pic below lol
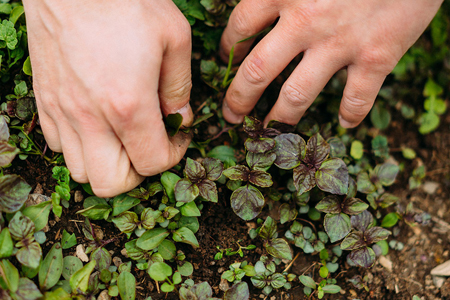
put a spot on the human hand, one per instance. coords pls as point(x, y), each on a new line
point(367, 37)
point(104, 74)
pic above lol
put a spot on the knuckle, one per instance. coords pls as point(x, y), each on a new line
point(295, 95)
point(378, 60)
point(253, 70)
point(239, 18)
point(179, 89)
point(356, 106)
point(123, 108)
point(182, 36)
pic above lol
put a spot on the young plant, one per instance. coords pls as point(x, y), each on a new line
point(62, 190)
point(230, 251)
point(324, 287)
point(277, 247)
point(363, 235)
point(238, 270)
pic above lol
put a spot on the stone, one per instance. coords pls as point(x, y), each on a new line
point(438, 281)
point(104, 295)
point(224, 285)
point(385, 262)
point(430, 187)
point(78, 196)
point(34, 199)
point(117, 261)
point(442, 269)
point(81, 253)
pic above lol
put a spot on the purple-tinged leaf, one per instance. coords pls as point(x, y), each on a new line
point(202, 289)
point(337, 226)
point(354, 206)
point(7, 153)
point(279, 248)
point(317, 150)
point(386, 173)
point(260, 161)
point(287, 214)
point(186, 191)
point(296, 227)
point(13, 193)
point(268, 229)
point(280, 127)
point(30, 255)
point(364, 184)
point(290, 149)
point(126, 221)
point(27, 290)
point(149, 218)
point(354, 240)
point(387, 200)
point(376, 234)
point(4, 130)
point(213, 167)
point(332, 176)
point(239, 291)
point(260, 178)
point(194, 170)
point(362, 221)
point(102, 258)
point(21, 227)
point(259, 145)
point(330, 204)
point(364, 257)
point(208, 190)
point(238, 172)
point(308, 126)
point(304, 179)
point(247, 202)
point(337, 147)
point(352, 189)
point(252, 126)
point(185, 235)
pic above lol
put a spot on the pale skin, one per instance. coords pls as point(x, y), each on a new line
point(106, 72)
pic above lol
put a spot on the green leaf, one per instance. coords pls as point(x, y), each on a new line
point(7, 153)
point(149, 217)
point(307, 281)
point(331, 289)
point(159, 271)
point(332, 176)
point(429, 121)
point(68, 240)
point(186, 269)
point(389, 220)
point(167, 250)
point(190, 210)
point(260, 178)
point(51, 267)
point(8, 34)
point(432, 88)
point(380, 116)
point(223, 153)
point(152, 238)
point(323, 272)
point(290, 149)
point(354, 206)
point(279, 248)
point(6, 243)
point(386, 173)
point(186, 191)
point(96, 212)
point(102, 258)
point(27, 290)
point(194, 170)
point(38, 214)
point(173, 123)
point(21, 227)
point(169, 180)
point(408, 153)
point(80, 279)
point(330, 204)
point(16, 13)
point(239, 291)
point(354, 240)
point(364, 184)
point(127, 286)
point(337, 226)
point(337, 147)
point(357, 149)
point(9, 276)
point(13, 193)
point(71, 264)
point(304, 179)
point(189, 222)
point(126, 222)
point(27, 67)
point(239, 172)
point(380, 146)
point(247, 202)
point(5, 8)
point(30, 255)
point(268, 229)
point(287, 214)
point(376, 234)
point(185, 235)
point(122, 203)
point(364, 257)
point(167, 288)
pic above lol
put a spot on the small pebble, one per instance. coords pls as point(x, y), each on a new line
point(385, 262)
point(78, 196)
point(442, 269)
point(117, 261)
point(430, 187)
point(438, 281)
point(34, 199)
point(81, 253)
point(104, 295)
point(224, 285)
point(124, 252)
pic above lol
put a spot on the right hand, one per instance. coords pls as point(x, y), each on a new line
point(104, 74)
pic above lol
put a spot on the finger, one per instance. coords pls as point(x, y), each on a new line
point(50, 131)
point(303, 86)
point(360, 91)
point(73, 151)
point(248, 18)
point(107, 163)
point(258, 70)
point(175, 74)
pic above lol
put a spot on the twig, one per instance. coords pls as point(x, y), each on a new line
point(76, 225)
point(315, 230)
point(437, 171)
point(157, 287)
point(410, 280)
point(291, 263)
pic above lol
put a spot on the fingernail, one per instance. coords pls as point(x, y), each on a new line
point(344, 123)
point(230, 116)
